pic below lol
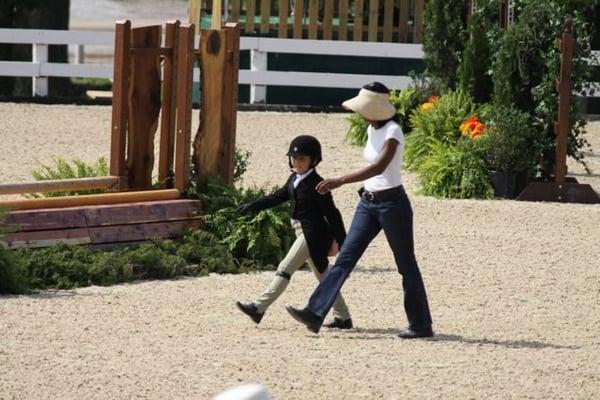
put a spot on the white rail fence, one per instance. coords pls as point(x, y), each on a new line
point(259, 77)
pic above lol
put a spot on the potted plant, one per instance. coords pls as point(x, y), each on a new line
point(510, 148)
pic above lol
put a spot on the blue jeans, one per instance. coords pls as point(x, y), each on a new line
point(395, 217)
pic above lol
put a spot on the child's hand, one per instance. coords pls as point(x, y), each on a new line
point(334, 249)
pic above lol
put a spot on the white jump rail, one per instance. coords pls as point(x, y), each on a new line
point(259, 77)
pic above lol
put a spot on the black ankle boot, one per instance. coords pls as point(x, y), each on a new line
point(312, 321)
point(339, 323)
point(250, 310)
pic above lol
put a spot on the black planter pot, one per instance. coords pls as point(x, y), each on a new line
point(508, 184)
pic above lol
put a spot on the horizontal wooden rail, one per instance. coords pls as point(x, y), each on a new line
point(90, 200)
point(60, 185)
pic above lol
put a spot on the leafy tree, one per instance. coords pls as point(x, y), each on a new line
point(444, 38)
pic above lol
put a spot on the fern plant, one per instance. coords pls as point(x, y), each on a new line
point(438, 124)
point(62, 169)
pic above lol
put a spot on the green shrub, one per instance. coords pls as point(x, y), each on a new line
point(455, 171)
point(443, 38)
point(512, 142)
point(475, 68)
point(439, 124)
point(63, 169)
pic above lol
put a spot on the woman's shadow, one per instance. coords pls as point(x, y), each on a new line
point(391, 333)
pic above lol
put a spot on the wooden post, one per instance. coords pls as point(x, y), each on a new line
point(185, 65)
point(144, 105)
point(373, 26)
point(328, 19)
point(216, 14)
point(563, 189)
point(282, 26)
point(215, 140)
point(388, 20)
point(313, 18)
point(230, 100)
point(419, 8)
point(195, 13)
point(119, 100)
point(168, 117)
point(265, 16)
point(298, 19)
point(358, 20)
point(403, 21)
point(561, 127)
point(250, 14)
point(343, 15)
point(503, 13)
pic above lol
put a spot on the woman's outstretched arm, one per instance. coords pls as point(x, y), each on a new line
point(380, 164)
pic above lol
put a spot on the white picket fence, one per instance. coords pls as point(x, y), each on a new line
point(259, 77)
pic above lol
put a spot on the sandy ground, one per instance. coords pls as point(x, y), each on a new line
point(514, 290)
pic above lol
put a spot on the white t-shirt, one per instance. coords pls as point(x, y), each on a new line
point(392, 175)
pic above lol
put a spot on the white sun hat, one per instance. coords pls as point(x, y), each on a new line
point(372, 102)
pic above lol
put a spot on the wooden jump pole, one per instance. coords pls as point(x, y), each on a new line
point(90, 200)
point(60, 185)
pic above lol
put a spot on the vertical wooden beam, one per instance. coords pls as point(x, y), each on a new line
point(564, 101)
point(234, 15)
point(144, 106)
point(373, 20)
point(195, 13)
point(328, 19)
point(230, 100)
point(265, 16)
point(168, 117)
point(313, 18)
point(388, 20)
point(403, 21)
point(250, 13)
point(419, 7)
point(358, 20)
point(120, 99)
point(343, 15)
point(282, 27)
point(217, 14)
point(298, 19)
point(207, 143)
point(185, 64)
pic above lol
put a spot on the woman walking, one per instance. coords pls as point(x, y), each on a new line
point(383, 205)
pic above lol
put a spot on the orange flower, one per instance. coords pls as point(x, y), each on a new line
point(426, 106)
point(472, 127)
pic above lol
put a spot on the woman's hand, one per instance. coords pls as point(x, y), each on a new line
point(334, 249)
point(327, 185)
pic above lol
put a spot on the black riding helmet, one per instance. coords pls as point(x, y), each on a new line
point(305, 145)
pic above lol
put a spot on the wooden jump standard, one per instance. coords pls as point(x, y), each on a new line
point(143, 90)
point(562, 189)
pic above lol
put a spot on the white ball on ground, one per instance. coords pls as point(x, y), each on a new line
point(250, 391)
